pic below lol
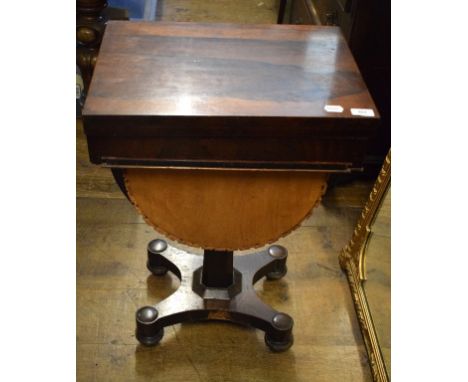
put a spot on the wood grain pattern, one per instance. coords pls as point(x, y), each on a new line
point(205, 87)
point(224, 210)
point(192, 69)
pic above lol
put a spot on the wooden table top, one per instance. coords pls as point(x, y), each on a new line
point(190, 69)
point(225, 80)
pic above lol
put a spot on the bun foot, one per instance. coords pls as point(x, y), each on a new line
point(278, 274)
point(146, 333)
point(280, 254)
point(280, 337)
point(279, 346)
point(155, 249)
point(150, 341)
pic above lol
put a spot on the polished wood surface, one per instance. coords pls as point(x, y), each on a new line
point(245, 92)
point(190, 69)
point(97, 182)
point(224, 210)
point(366, 27)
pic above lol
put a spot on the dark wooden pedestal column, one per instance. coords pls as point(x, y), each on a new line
point(218, 269)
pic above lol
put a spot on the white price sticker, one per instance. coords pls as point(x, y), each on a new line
point(363, 112)
point(334, 108)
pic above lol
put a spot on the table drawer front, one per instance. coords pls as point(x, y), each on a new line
point(330, 155)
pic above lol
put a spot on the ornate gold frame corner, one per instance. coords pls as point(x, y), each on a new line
point(352, 262)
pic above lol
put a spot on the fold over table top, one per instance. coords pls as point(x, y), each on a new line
point(227, 85)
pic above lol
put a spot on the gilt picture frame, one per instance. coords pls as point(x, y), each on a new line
point(353, 262)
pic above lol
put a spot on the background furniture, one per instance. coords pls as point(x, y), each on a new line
point(90, 24)
point(366, 27)
point(91, 19)
point(281, 11)
point(370, 285)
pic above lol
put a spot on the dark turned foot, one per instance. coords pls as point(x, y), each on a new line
point(216, 286)
point(281, 338)
point(154, 263)
point(279, 253)
point(146, 332)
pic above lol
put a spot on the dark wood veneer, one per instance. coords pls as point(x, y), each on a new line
point(224, 92)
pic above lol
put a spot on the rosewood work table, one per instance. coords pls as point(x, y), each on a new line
point(223, 136)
